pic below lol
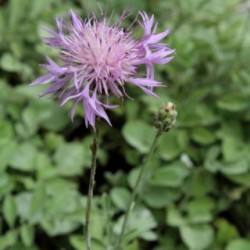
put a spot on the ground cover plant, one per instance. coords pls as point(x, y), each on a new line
point(196, 189)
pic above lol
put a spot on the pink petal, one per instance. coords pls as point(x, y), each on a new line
point(44, 79)
point(76, 21)
point(145, 82)
point(158, 37)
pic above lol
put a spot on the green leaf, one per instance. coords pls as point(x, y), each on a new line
point(159, 196)
point(59, 226)
point(231, 129)
point(9, 63)
point(2, 24)
point(233, 149)
point(149, 236)
point(8, 239)
point(9, 210)
point(233, 103)
point(19, 246)
point(203, 136)
point(27, 235)
point(70, 159)
point(58, 119)
point(133, 175)
point(197, 237)
point(6, 184)
point(7, 149)
point(170, 146)
point(170, 176)
point(120, 197)
point(225, 231)
point(240, 166)
point(174, 217)
point(58, 185)
point(242, 179)
point(53, 141)
point(6, 130)
point(78, 242)
point(132, 156)
point(204, 203)
point(211, 163)
point(132, 110)
point(140, 222)
point(31, 119)
point(38, 6)
point(51, 116)
point(16, 13)
point(31, 93)
point(45, 168)
point(200, 183)
point(139, 135)
point(59, 219)
point(200, 210)
point(23, 201)
point(138, 5)
point(54, 206)
point(239, 244)
point(197, 115)
point(38, 200)
point(24, 158)
point(3, 243)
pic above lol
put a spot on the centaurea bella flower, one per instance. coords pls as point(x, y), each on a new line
point(99, 59)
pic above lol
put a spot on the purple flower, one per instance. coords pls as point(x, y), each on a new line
point(98, 59)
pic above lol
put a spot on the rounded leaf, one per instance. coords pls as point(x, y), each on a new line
point(197, 237)
point(139, 135)
point(239, 244)
point(120, 197)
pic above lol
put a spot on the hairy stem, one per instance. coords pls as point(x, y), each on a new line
point(94, 149)
point(136, 188)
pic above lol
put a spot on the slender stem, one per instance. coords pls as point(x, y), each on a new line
point(136, 187)
point(94, 149)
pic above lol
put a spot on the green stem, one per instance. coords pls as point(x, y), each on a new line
point(94, 149)
point(136, 187)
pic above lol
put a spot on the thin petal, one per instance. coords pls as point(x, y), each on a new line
point(145, 82)
point(158, 37)
point(147, 23)
point(97, 107)
point(69, 97)
point(76, 21)
point(44, 79)
point(57, 85)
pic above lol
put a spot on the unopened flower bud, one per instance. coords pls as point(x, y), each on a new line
point(165, 117)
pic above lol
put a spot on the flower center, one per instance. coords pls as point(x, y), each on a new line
point(106, 53)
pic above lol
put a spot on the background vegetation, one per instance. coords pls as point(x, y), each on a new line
point(196, 194)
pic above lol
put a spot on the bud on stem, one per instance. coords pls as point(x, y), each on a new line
point(165, 117)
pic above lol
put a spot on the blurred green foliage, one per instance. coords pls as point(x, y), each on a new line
point(196, 193)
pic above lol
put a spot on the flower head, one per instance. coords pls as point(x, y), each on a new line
point(98, 59)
